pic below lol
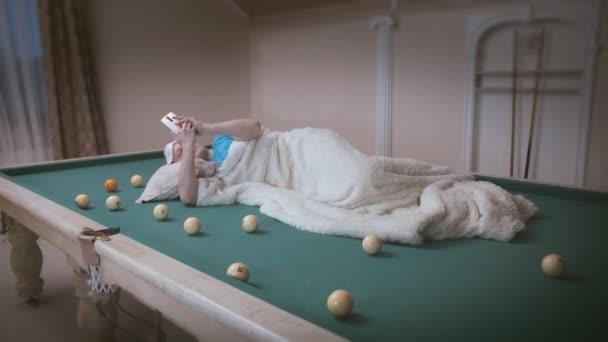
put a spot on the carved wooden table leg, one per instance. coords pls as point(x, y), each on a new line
point(25, 260)
point(96, 315)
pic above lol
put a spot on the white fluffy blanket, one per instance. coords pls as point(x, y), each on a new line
point(315, 180)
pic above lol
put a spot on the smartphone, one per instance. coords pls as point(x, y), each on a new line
point(169, 120)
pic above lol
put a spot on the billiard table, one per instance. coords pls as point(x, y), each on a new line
point(457, 290)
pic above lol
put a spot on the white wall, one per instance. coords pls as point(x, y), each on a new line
point(197, 57)
point(320, 71)
point(318, 76)
point(429, 93)
point(155, 56)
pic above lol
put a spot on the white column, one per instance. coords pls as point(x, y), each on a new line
point(384, 83)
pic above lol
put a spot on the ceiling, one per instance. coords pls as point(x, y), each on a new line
point(254, 8)
point(260, 8)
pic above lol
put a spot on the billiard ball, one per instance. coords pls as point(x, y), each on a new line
point(251, 223)
point(82, 201)
point(340, 303)
point(553, 265)
point(111, 185)
point(137, 181)
point(239, 271)
point(161, 212)
point(192, 225)
point(372, 244)
point(113, 202)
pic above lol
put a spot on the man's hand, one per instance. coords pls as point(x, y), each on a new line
point(199, 126)
point(186, 135)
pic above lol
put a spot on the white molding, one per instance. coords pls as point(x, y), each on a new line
point(384, 83)
point(478, 26)
point(591, 53)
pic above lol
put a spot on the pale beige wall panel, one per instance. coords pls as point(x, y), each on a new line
point(318, 76)
point(152, 57)
point(429, 92)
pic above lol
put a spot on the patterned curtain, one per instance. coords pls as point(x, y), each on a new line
point(77, 125)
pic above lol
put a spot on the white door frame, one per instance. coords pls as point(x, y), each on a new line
point(479, 26)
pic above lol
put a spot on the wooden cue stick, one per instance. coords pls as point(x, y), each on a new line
point(513, 100)
point(539, 59)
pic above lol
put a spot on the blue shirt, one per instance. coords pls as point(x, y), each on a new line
point(221, 145)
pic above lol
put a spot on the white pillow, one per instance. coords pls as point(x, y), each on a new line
point(163, 183)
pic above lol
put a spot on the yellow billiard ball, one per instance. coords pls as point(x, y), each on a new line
point(111, 185)
point(113, 202)
point(239, 271)
point(192, 225)
point(82, 201)
point(251, 223)
point(372, 244)
point(161, 212)
point(340, 303)
point(553, 265)
point(137, 181)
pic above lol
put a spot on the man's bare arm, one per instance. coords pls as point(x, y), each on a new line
point(187, 182)
point(240, 129)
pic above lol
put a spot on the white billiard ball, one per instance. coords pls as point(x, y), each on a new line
point(192, 225)
point(239, 271)
point(251, 223)
point(113, 202)
point(553, 265)
point(340, 303)
point(372, 244)
point(82, 201)
point(137, 181)
point(161, 212)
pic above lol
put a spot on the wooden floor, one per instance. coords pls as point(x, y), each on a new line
point(54, 318)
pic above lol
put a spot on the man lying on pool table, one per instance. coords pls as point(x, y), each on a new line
point(315, 180)
point(185, 149)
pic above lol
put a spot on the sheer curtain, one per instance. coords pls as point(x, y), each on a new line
point(24, 125)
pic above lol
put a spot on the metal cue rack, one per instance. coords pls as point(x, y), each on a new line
point(545, 74)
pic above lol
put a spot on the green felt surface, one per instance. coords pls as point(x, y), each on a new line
point(459, 290)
